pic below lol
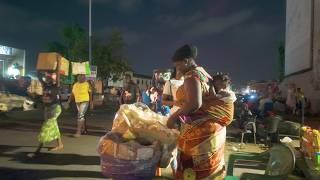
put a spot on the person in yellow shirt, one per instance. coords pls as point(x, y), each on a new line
point(81, 93)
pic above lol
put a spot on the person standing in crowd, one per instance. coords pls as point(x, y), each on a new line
point(82, 94)
point(160, 108)
point(265, 105)
point(300, 99)
point(201, 129)
point(146, 97)
point(291, 99)
point(52, 110)
point(119, 95)
point(170, 89)
point(131, 92)
point(169, 99)
point(154, 98)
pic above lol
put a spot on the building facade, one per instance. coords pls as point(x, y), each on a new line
point(263, 86)
point(12, 61)
point(302, 49)
point(142, 81)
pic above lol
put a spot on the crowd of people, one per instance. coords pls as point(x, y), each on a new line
point(266, 108)
point(150, 96)
point(262, 103)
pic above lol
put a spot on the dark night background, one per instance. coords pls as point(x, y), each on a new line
point(239, 37)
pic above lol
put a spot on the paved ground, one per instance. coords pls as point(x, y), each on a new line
point(78, 160)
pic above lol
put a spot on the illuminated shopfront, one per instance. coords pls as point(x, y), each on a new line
point(12, 61)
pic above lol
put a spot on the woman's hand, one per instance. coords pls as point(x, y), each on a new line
point(171, 122)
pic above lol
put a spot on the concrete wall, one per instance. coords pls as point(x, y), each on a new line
point(298, 36)
point(302, 64)
point(316, 45)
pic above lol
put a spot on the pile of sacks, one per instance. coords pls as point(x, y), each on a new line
point(138, 136)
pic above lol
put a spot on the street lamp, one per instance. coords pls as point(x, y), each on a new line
point(90, 33)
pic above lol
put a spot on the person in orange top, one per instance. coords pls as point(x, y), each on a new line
point(82, 94)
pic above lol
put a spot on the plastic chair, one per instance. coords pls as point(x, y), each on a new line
point(250, 125)
point(278, 162)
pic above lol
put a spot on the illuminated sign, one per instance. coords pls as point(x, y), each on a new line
point(5, 50)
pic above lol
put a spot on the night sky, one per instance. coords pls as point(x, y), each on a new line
point(240, 37)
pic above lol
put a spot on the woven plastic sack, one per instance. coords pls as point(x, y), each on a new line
point(81, 68)
point(127, 160)
point(113, 144)
point(138, 121)
point(129, 170)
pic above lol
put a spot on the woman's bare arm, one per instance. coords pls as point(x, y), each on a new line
point(193, 102)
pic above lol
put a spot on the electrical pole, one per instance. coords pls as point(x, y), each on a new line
point(90, 32)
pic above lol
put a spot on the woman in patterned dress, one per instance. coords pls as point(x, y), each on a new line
point(203, 132)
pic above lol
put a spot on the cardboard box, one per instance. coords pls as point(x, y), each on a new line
point(48, 61)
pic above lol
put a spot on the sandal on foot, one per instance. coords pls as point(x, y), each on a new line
point(76, 135)
point(56, 148)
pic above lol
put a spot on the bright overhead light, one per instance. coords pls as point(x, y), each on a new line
point(5, 50)
point(13, 71)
